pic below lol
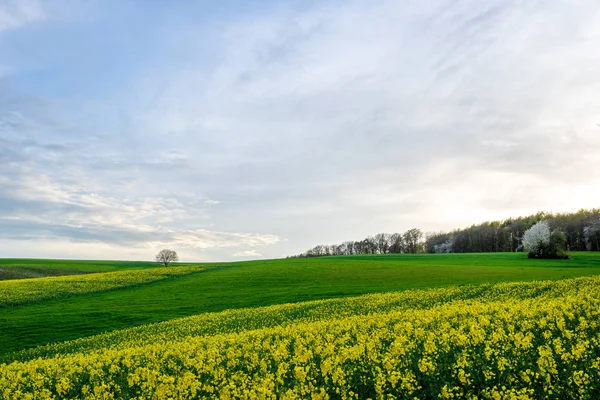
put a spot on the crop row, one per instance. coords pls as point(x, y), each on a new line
point(238, 320)
point(21, 291)
point(529, 340)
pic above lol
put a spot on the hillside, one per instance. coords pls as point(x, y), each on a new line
point(511, 340)
point(24, 268)
point(259, 283)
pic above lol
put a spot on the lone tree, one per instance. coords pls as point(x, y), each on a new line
point(539, 242)
point(166, 257)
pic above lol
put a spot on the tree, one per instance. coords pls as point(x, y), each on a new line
point(166, 257)
point(558, 245)
point(536, 239)
point(396, 243)
point(539, 242)
point(383, 243)
point(592, 235)
point(445, 247)
point(438, 242)
point(412, 240)
point(580, 231)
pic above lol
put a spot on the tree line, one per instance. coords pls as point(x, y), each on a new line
point(383, 243)
point(581, 230)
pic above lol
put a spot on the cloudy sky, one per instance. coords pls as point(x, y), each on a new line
point(249, 129)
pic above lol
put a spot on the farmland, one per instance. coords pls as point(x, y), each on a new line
point(22, 268)
point(258, 283)
point(16, 292)
point(529, 340)
point(342, 327)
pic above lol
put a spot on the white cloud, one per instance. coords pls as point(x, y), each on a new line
point(18, 13)
point(373, 99)
point(247, 253)
point(331, 123)
point(37, 207)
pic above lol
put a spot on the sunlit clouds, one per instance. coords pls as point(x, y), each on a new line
point(259, 130)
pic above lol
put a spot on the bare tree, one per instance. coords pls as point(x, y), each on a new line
point(412, 240)
point(166, 257)
point(383, 243)
point(591, 233)
point(396, 243)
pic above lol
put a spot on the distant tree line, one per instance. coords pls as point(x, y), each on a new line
point(409, 242)
point(581, 230)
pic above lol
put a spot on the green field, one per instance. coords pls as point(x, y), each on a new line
point(259, 283)
point(17, 292)
point(22, 268)
point(521, 340)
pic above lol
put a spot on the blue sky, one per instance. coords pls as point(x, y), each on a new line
point(227, 130)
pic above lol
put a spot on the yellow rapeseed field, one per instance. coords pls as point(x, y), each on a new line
point(505, 341)
point(20, 291)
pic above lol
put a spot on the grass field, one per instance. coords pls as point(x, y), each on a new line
point(259, 283)
point(25, 291)
point(22, 268)
point(245, 319)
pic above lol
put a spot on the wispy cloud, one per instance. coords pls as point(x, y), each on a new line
point(313, 123)
point(37, 207)
point(248, 253)
point(17, 13)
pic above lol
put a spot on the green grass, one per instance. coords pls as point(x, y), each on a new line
point(23, 291)
point(246, 319)
point(261, 283)
point(534, 338)
point(24, 272)
point(22, 268)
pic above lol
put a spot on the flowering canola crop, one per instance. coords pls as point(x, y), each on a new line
point(21, 291)
point(505, 341)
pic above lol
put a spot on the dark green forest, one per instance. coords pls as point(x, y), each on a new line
point(581, 229)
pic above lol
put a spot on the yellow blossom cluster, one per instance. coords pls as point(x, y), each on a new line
point(21, 291)
point(506, 341)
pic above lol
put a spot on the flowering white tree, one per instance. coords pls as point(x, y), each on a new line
point(445, 247)
point(539, 242)
point(537, 238)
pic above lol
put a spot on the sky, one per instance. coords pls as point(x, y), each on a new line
point(257, 129)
